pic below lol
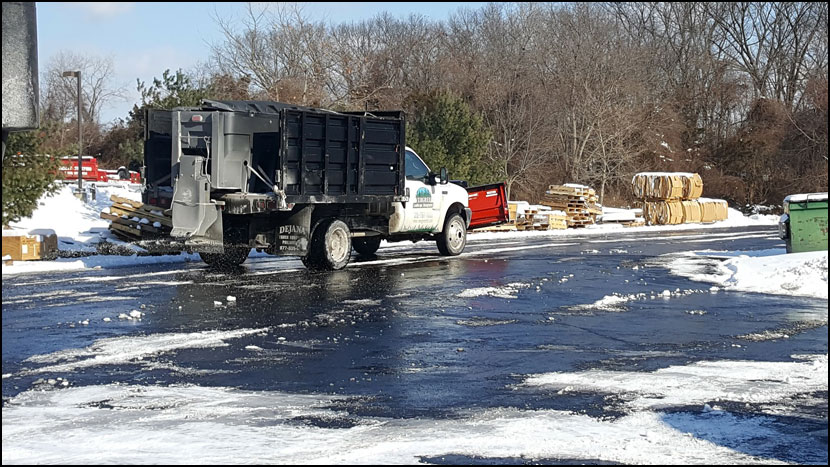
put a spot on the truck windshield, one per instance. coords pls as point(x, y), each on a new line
point(415, 167)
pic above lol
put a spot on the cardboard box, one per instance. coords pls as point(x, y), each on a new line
point(21, 247)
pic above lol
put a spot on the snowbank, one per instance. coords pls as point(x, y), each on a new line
point(78, 225)
point(764, 271)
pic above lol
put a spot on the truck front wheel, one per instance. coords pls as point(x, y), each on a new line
point(331, 246)
point(453, 239)
point(366, 246)
point(231, 258)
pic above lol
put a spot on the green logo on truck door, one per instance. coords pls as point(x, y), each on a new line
point(423, 198)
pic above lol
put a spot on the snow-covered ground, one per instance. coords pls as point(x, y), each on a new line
point(766, 271)
point(78, 224)
point(80, 228)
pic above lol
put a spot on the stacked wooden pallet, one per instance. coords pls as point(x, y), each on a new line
point(132, 220)
point(674, 198)
point(578, 202)
point(541, 218)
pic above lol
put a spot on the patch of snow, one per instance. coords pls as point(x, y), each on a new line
point(94, 262)
point(509, 291)
point(764, 271)
point(606, 303)
point(124, 350)
point(803, 197)
point(697, 383)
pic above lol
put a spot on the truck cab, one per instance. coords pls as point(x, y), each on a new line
point(435, 210)
point(431, 198)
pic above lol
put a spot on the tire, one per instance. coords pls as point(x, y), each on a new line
point(231, 258)
point(330, 247)
point(452, 240)
point(366, 246)
point(123, 174)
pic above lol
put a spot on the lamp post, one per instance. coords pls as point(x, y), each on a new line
point(77, 74)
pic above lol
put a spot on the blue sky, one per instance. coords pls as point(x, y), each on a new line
point(144, 39)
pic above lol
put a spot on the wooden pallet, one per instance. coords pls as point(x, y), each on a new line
point(126, 215)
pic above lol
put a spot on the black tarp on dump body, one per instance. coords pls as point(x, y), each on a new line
point(311, 155)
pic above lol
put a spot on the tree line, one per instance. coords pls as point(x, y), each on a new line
point(534, 93)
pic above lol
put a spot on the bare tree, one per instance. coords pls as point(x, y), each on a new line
point(97, 86)
point(284, 54)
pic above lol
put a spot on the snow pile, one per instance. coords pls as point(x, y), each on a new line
point(764, 271)
point(78, 225)
point(737, 219)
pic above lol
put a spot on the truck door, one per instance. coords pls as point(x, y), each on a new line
point(423, 210)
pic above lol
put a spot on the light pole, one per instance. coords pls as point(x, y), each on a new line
point(77, 74)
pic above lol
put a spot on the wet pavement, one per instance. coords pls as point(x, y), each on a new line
point(410, 333)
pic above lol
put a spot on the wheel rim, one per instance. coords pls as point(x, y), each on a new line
point(456, 234)
point(339, 244)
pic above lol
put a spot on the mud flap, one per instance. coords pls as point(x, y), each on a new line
point(293, 236)
point(196, 218)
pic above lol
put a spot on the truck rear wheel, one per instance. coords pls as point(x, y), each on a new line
point(452, 240)
point(231, 258)
point(366, 246)
point(331, 246)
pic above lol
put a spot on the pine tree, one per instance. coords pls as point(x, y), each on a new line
point(445, 132)
point(26, 176)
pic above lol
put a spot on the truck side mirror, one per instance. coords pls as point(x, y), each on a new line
point(444, 177)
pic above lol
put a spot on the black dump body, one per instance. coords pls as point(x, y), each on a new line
point(310, 155)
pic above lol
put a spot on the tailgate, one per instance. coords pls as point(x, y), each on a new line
point(489, 205)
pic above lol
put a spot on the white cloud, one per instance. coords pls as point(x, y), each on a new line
point(104, 10)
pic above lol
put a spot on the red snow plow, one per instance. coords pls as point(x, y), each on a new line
point(489, 205)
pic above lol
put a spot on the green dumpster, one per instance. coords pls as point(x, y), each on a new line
point(804, 223)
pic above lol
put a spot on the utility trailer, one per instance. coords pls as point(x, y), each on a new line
point(292, 180)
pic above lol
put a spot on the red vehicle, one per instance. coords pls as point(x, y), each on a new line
point(489, 205)
point(92, 173)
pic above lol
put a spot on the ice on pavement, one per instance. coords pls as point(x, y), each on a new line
point(123, 350)
point(771, 271)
